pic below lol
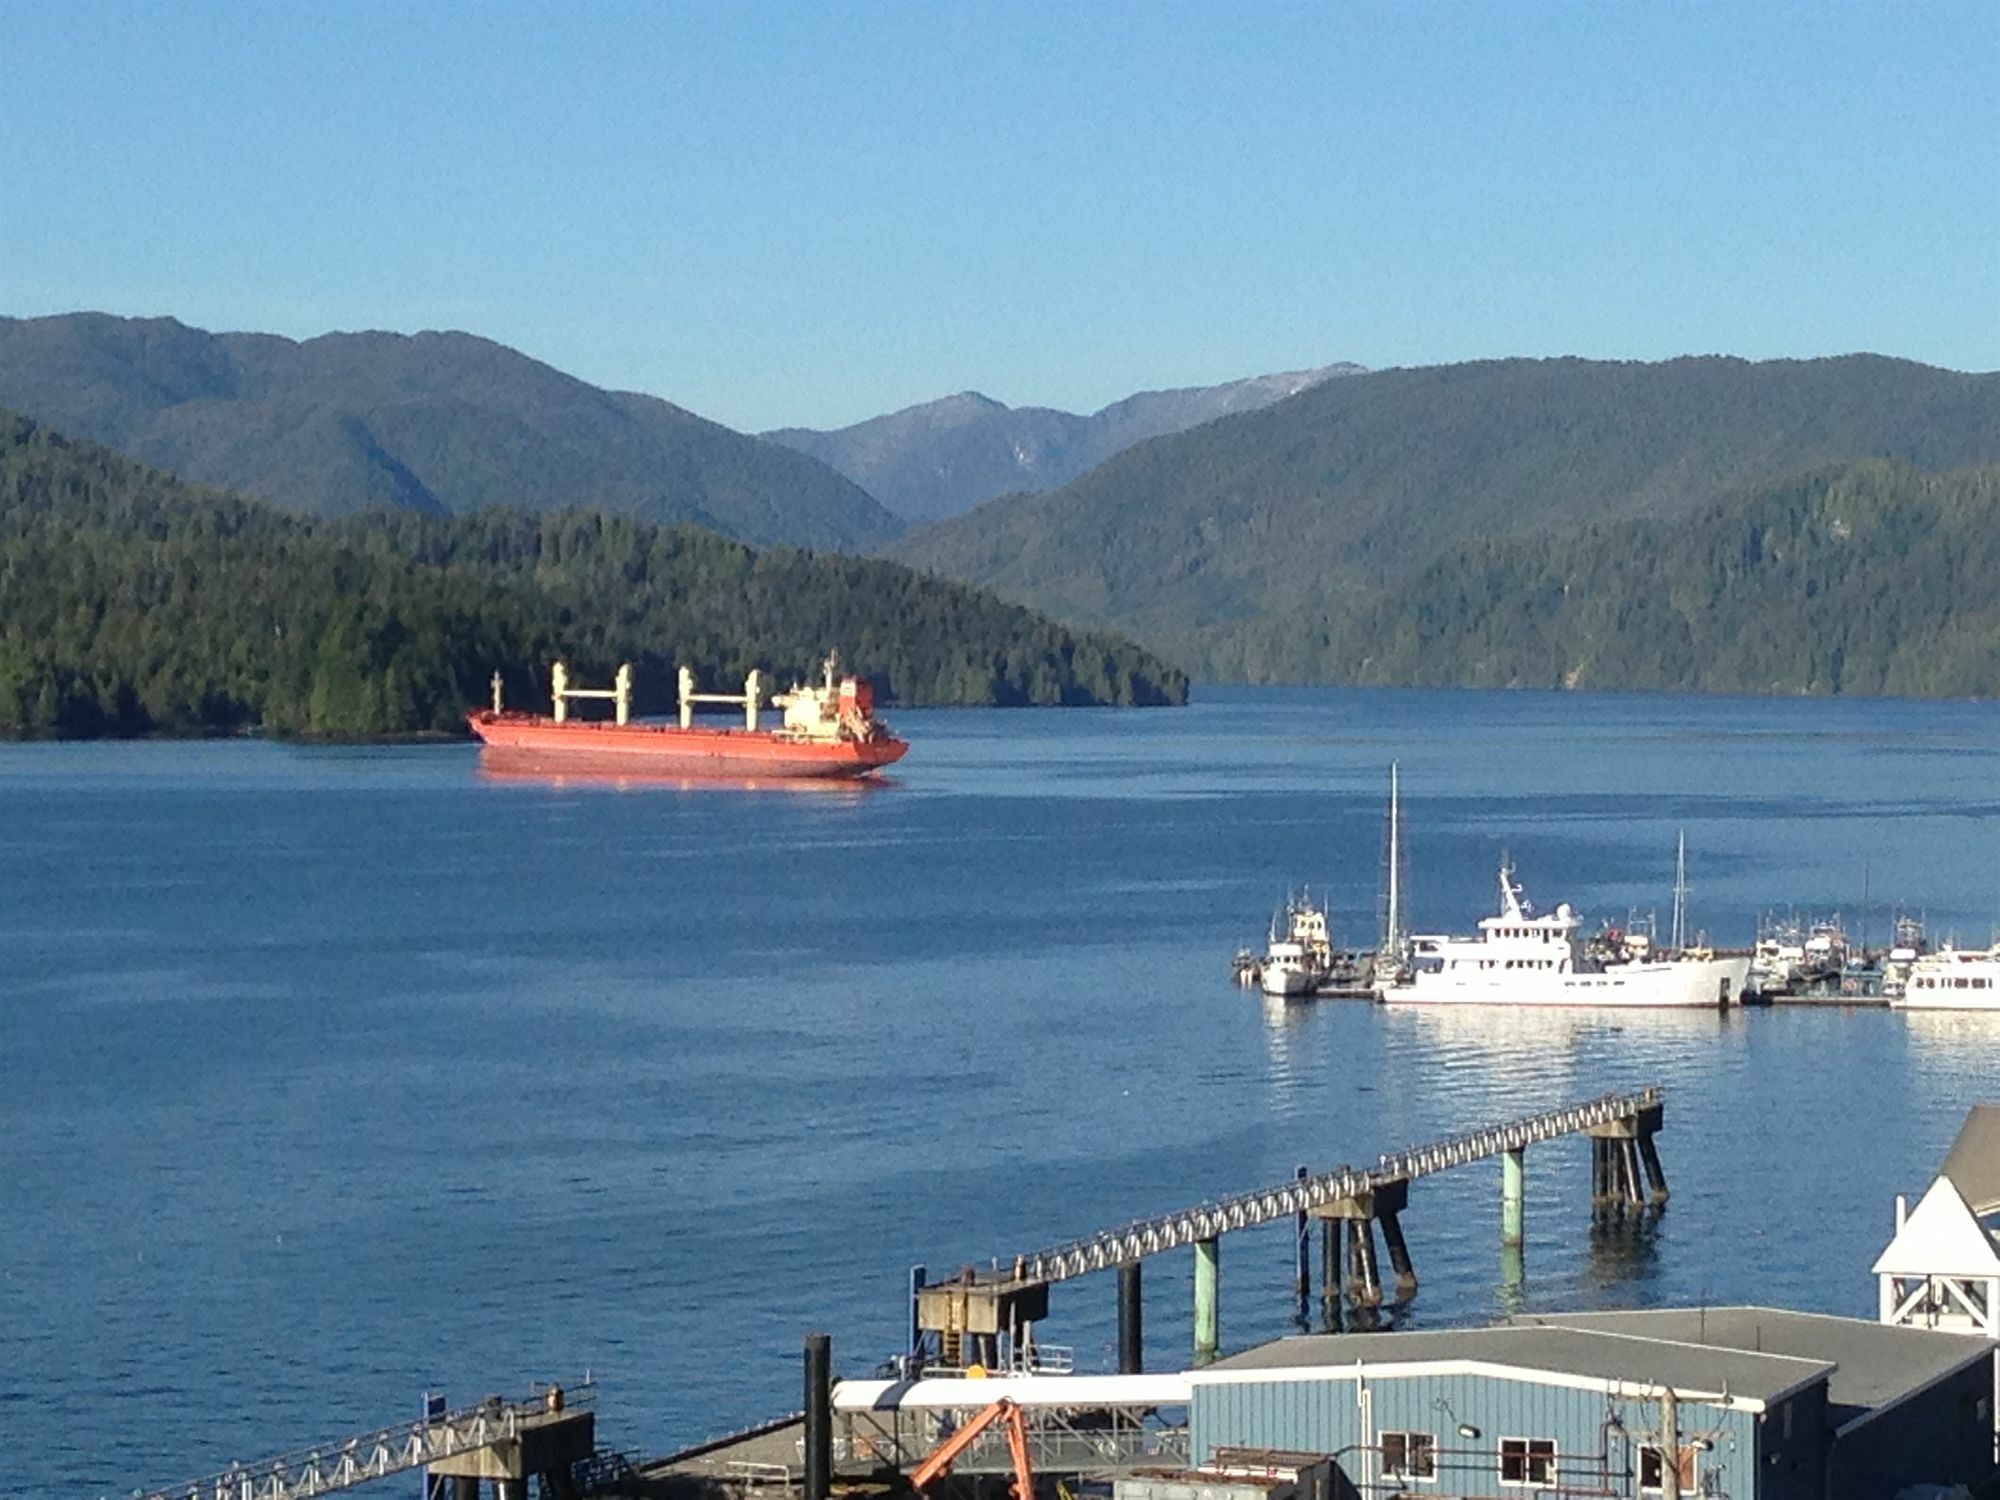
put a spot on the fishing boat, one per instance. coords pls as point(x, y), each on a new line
point(829, 729)
point(1299, 958)
point(1521, 958)
point(1952, 979)
point(1908, 945)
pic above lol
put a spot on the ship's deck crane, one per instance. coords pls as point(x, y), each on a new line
point(1005, 1410)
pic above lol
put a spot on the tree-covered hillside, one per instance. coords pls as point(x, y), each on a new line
point(443, 423)
point(1214, 544)
point(1871, 578)
point(131, 602)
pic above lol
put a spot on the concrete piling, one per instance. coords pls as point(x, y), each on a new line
point(1513, 1171)
point(1207, 1289)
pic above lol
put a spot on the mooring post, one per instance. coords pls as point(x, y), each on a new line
point(1399, 1256)
point(1207, 1319)
point(1302, 1244)
point(1513, 1169)
point(1131, 1321)
point(818, 1478)
point(1649, 1155)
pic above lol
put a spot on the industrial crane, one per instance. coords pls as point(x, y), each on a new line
point(1005, 1410)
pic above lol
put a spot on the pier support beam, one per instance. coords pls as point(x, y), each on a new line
point(464, 1487)
point(1513, 1171)
point(1131, 1321)
point(1399, 1256)
point(1649, 1155)
point(818, 1478)
point(1207, 1290)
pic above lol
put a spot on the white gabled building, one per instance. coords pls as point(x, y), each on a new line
point(1942, 1270)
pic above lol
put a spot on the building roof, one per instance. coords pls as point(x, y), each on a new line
point(1584, 1358)
point(1874, 1366)
point(1973, 1163)
point(1941, 1238)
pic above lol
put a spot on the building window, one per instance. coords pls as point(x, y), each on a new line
point(1653, 1470)
point(1409, 1455)
point(1527, 1460)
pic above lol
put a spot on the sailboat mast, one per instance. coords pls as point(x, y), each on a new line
point(1680, 892)
point(1392, 938)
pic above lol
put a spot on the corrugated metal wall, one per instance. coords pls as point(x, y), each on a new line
point(1324, 1416)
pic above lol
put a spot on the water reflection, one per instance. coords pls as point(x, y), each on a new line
point(500, 768)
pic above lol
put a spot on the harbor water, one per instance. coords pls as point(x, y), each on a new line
point(331, 1076)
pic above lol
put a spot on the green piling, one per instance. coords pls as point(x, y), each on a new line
point(1207, 1321)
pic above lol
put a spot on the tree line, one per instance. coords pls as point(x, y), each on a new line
point(133, 603)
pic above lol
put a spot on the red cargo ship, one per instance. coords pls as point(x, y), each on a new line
point(827, 731)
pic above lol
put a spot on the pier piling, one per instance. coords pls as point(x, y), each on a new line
point(1131, 1321)
point(1207, 1319)
point(1329, 1274)
point(1513, 1170)
point(1302, 1246)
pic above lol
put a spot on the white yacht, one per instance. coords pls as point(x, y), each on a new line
point(1952, 979)
point(1519, 958)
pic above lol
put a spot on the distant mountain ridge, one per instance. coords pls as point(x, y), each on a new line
point(1222, 544)
point(943, 457)
point(440, 423)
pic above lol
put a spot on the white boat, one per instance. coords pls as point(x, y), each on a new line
point(1519, 958)
point(1952, 979)
point(1287, 971)
point(1300, 961)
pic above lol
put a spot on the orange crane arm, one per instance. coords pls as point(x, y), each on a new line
point(1005, 1409)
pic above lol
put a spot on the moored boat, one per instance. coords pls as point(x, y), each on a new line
point(828, 730)
point(1521, 958)
point(1952, 979)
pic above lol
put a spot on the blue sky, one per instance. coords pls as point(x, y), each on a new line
point(775, 213)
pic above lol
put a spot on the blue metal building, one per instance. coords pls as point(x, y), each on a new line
point(1746, 1403)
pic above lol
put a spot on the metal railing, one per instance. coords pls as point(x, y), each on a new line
point(1114, 1247)
point(331, 1467)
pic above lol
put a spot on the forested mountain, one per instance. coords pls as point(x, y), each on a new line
point(133, 602)
point(440, 423)
point(1870, 577)
point(944, 457)
point(1220, 544)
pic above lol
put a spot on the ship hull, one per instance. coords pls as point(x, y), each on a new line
point(1686, 985)
point(668, 750)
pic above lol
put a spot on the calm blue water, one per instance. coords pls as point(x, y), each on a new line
point(329, 1076)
